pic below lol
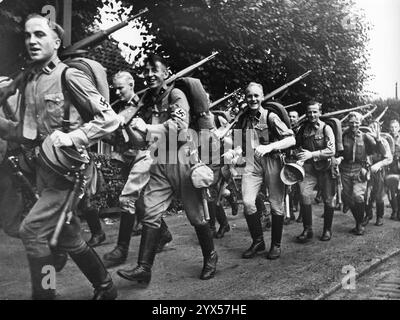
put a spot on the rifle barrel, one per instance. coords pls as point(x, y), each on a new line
point(287, 85)
point(212, 105)
point(183, 72)
point(99, 36)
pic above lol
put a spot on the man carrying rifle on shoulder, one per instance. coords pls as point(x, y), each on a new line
point(52, 123)
point(169, 112)
point(137, 158)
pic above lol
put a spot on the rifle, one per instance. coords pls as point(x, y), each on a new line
point(292, 105)
point(73, 49)
point(369, 113)
point(378, 118)
point(131, 112)
point(331, 114)
point(69, 206)
point(268, 96)
point(215, 103)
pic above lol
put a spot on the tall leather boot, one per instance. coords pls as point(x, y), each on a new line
point(276, 237)
point(395, 208)
point(165, 238)
point(255, 228)
point(93, 221)
point(212, 210)
point(328, 218)
point(147, 252)
point(368, 213)
point(232, 202)
point(92, 267)
point(223, 222)
point(119, 254)
point(398, 210)
point(210, 257)
point(358, 211)
point(307, 234)
point(380, 209)
point(60, 258)
point(36, 267)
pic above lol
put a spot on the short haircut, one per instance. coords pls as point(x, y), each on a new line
point(314, 102)
point(394, 121)
point(294, 111)
point(53, 25)
point(125, 75)
point(356, 115)
point(152, 59)
point(255, 84)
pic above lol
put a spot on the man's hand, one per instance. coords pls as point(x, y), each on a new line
point(304, 155)
point(61, 139)
point(262, 150)
point(375, 167)
point(139, 124)
point(376, 130)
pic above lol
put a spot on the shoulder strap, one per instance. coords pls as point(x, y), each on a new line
point(66, 123)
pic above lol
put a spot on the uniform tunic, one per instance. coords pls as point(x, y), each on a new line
point(43, 113)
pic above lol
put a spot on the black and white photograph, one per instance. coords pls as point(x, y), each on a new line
point(199, 155)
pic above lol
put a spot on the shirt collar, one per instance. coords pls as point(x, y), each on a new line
point(51, 65)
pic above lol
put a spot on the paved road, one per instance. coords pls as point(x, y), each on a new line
point(302, 272)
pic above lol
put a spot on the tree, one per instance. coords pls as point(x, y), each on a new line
point(268, 41)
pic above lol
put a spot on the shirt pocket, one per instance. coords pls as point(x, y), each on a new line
point(319, 141)
point(262, 133)
point(54, 108)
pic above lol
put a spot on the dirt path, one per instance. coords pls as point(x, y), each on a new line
point(302, 272)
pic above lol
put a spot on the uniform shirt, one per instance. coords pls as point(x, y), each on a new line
point(167, 111)
point(318, 138)
point(358, 146)
point(266, 127)
point(45, 100)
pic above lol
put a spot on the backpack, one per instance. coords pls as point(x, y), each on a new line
point(278, 109)
point(200, 115)
point(96, 73)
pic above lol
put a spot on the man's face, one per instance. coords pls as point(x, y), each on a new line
point(313, 113)
point(254, 97)
point(354, 124)
point(156, 75)
point(293, 117)
point(41, 41)
point(394, 128)
point(123, 88)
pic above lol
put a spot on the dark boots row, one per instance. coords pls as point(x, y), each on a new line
point(87, 261)
point(307, 234)
point(217, 213)
point(380, 209)
point(147, 251)
point(120, 253)
point(395, 203)
point(258, 244)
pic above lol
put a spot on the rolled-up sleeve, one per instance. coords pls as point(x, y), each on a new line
point(91, 103)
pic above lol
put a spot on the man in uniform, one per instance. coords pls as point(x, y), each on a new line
point(170, 114)
point(393, 177)
point(354, 167)
point(316, 142)
point(138, 159)
point(376, 186)
point(265, 134)
point(43, 115)
point(294, 192)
